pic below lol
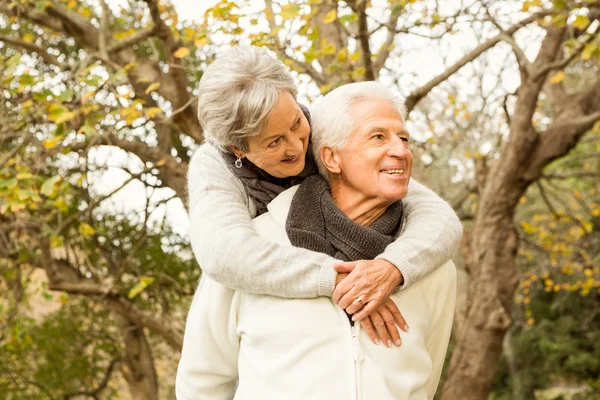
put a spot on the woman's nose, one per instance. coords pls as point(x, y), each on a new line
point(296, 145)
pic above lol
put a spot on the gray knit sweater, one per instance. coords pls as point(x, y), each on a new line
point(230, 252)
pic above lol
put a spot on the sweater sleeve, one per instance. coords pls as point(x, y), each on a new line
point(231, 252)
point(430, 237)
point(209, 358)
point(441, 296)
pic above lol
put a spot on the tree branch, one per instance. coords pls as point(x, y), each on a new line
point(123, 307)
point(136, 38)
point(94, 393)
point(30, 47)
point(562, 63)
point(421, 92)
point(173, 172)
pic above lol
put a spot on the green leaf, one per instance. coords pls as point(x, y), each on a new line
point(8, 183)
point(67, 95)
point(290, 11)
point(42, 5)
point(348, 18)
point(139, 287)
point(50, 186)
point(55, 111)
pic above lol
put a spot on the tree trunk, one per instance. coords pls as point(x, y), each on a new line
point(138, 364)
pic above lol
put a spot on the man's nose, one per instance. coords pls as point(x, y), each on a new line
point(398, 147)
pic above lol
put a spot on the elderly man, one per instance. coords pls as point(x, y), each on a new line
point(309, 348)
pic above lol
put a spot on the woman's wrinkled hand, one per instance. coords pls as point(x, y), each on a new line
point(383, 324)
point(368, 285)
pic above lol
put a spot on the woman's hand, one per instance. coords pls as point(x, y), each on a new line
point(381, 324)
point(369, 284)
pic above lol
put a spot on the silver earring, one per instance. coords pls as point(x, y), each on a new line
point(238, 163)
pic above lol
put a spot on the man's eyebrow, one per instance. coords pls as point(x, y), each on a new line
point(381, 129)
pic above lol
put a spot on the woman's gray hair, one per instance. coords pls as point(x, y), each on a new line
point(237, 93)
point(332, 121)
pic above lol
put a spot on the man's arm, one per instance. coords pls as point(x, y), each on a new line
point(230, 251)
point(209, 358)
point(441, 295)
point(431, 235)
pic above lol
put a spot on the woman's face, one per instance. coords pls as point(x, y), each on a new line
point(280, 147)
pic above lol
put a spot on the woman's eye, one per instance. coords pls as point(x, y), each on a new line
point(404, 139)
point(275, 142)
point(297, 124)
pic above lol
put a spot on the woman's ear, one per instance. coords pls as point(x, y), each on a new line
point(238, 153)
point(331, 159)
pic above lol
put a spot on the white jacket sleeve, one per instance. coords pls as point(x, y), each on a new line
point(430, 236)
point(229, 250)
point(442, 299)
point(209, 358)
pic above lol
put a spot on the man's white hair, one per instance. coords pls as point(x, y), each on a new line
point(332, 121)
point(237, 93)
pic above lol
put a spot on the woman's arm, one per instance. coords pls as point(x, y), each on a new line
point(430, 237)
point(230, 251)
point(209, 358)
point(431, 234)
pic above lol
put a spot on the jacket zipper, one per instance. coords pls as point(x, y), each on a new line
point(358, 357)
point(357, 354)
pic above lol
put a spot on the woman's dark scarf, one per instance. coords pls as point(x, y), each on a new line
point(263, 187)
point(314, 222)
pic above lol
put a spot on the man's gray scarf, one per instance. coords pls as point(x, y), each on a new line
point(314, 222)
point(261, 187)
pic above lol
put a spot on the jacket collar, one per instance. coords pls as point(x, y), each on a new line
point(280, 206)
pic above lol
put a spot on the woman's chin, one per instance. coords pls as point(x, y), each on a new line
point(289, 170)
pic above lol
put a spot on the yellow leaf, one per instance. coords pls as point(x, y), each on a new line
point(558, 77)
point(153, 112)
point(51, 143)
point(181, 52)
point(581, 22)
point(355, 57)
point(28, 37)
point(152, 87)
point(87, 96)
point(139, 287)
point(330, 16)
point(201, 42)
point(160, 163)
point(72, 4)
point(86, 230)
point(68, 116)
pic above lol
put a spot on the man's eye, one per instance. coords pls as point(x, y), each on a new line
point(378, 137)
point(404, 139)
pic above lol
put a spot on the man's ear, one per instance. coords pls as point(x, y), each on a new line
point(238, 153)
point(331, 159)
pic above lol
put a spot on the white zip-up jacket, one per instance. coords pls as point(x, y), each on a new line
point(306, 348)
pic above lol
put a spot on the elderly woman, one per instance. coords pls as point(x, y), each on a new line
point(307, 348)
point(258, 139)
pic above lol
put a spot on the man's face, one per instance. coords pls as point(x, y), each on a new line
point(376, 162)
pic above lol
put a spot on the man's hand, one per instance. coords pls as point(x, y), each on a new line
point(382, 323)
point(369, 284)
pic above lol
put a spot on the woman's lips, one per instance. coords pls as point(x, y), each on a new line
point(291, 160)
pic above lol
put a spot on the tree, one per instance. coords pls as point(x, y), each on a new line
point(80, 76)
